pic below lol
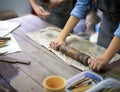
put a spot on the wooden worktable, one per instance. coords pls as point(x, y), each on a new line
point(29, 78)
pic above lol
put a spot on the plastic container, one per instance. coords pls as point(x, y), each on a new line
point(108, 83)
point(89, 74)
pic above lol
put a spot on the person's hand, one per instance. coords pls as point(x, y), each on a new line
point(41, 12)
point(96, 64)
point(56, 43)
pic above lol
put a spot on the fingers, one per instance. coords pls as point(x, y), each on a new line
point(42, 13)
point(94, 64)
point(99, 67)
point(55, 45)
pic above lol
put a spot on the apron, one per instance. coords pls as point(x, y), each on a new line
point(60, 14)
point(109, 21)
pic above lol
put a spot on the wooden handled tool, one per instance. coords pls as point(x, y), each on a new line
point(74, 54)
point(13, 60)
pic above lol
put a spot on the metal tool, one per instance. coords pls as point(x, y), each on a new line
point(75, 85)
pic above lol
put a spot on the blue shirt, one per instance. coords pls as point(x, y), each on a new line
point(117, 32)
point(80, 11)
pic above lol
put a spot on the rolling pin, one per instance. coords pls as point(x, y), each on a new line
point(74, 54)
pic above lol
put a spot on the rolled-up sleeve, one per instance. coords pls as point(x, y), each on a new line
point(117, 32)
point(80, 9)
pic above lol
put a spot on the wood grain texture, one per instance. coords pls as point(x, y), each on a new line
point(29, 78)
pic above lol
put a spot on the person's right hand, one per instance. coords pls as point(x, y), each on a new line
point(56, 43)
point(41, 12)
point(97, 64)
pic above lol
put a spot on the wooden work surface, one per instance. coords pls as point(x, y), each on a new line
point(29, 78)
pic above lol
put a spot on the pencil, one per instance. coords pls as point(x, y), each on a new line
point(78, 82)
point(83, 84)
point(5, 38)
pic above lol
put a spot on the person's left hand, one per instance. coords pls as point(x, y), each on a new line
point(96, 64)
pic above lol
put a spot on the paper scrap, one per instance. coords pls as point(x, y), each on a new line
point(7, 27)
point(12, 46)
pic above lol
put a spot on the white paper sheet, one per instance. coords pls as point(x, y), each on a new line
point(12, 46)
point(7, 27)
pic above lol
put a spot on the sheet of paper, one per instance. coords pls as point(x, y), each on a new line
point(7, 27)
point(12, 46)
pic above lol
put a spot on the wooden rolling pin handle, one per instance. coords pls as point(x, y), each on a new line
point(83, 58)
point(74, 54)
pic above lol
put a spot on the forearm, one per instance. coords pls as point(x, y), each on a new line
point(112, 49)
point(33, 3)
point(71, 23)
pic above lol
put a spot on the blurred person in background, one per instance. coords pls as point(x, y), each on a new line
point(87, 26)
point(55, 12)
